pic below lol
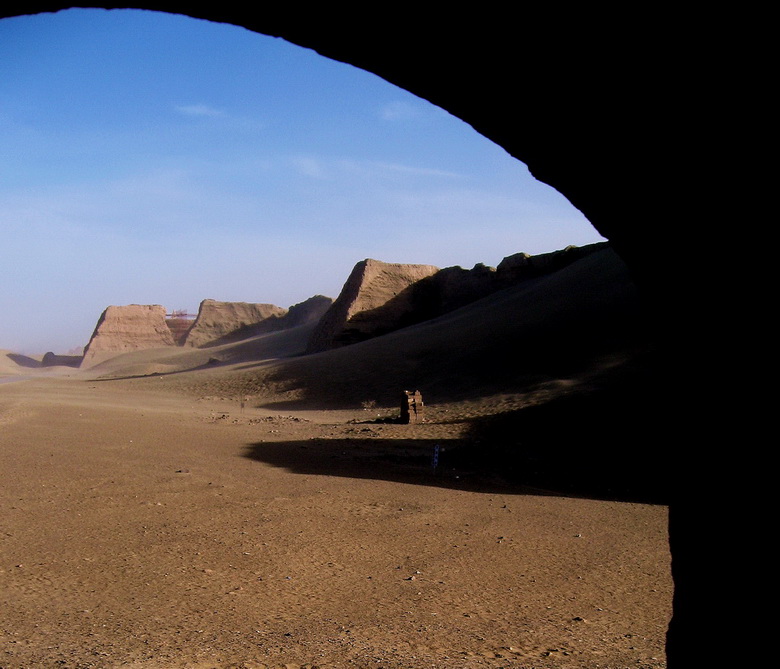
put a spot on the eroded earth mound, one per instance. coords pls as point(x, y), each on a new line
point(132, 327)
point(373, 285)
point(218, 321)
point(380, 297)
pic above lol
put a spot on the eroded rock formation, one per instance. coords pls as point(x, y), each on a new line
point(307, 311)
point(127, 328)
point(382, 297)
point(221, 322)
point(373, 301)
point(225, 322)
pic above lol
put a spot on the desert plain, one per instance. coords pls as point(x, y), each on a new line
point(247, 505)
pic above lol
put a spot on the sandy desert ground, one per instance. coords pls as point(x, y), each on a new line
point(159, 529)
point(238, 506)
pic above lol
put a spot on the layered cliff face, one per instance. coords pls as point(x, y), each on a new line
point(127, 328)
point(221, 322)
point(375, 298)
point(137, 327)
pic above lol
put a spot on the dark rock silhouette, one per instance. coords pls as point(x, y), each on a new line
point(52, 360)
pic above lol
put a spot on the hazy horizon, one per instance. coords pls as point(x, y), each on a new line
point(148, 158)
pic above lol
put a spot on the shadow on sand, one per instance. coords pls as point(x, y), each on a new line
point(596, 446)
point(402, 461)
point(212, 363)
point(605, 442)
point(462, 465)
point(23, 360)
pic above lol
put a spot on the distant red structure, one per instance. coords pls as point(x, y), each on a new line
point(179, 323)
point(181, 313)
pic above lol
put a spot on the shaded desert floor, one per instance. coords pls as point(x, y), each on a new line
point(147, 526)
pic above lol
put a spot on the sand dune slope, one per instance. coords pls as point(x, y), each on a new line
point(266, 347)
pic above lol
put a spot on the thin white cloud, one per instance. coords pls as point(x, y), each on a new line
point(199, 110)
point(418, 171)
point(309, 167)
point(377, 168)
point(397, 111)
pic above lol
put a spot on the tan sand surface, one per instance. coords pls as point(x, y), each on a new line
point(146, 529)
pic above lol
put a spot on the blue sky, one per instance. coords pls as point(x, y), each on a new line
point(155, 159)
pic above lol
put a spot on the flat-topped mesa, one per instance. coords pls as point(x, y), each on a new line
point(121, 329)
point(223, 322)
point(373, 301)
